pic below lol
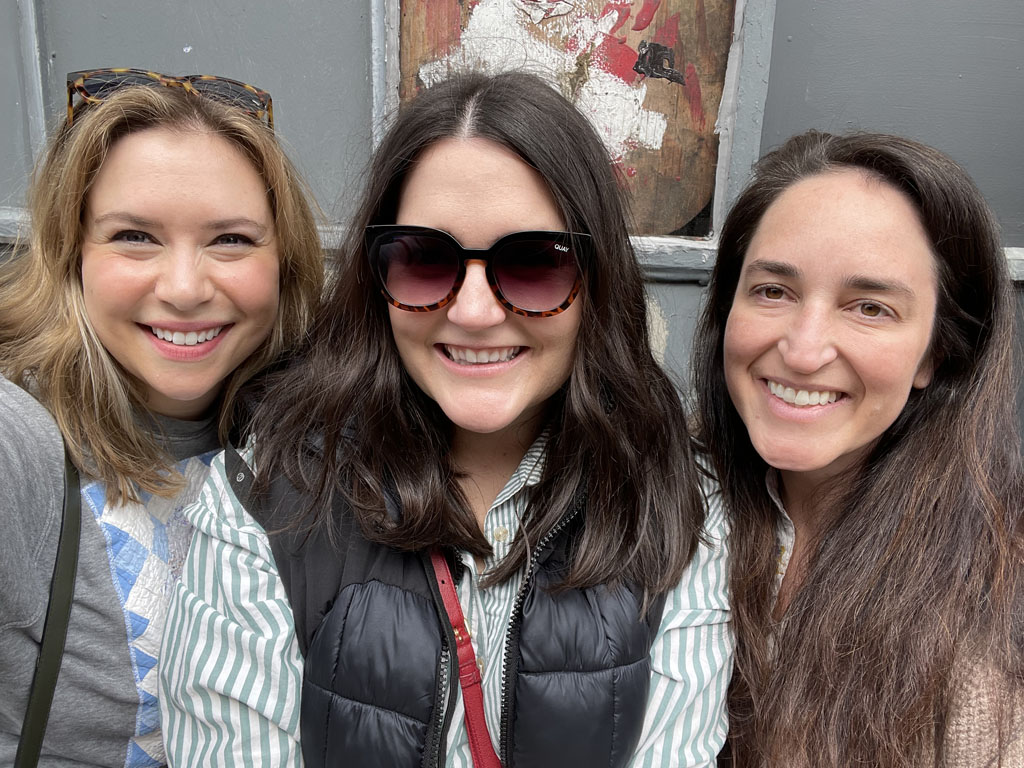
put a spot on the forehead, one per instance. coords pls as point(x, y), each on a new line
point(845, 223)
point(175, 162)
point(478, 190)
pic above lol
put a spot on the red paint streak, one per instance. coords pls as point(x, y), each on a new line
point(691, 86)
point(443, 24)
point(703, 46)
point(620, 7)
point(572, 45)
point(616, 58)
point(646, 15)
point(668, 33)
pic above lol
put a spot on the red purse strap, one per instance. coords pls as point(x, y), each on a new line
point(480, 745)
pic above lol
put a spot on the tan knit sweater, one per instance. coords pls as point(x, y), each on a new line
point(972, 738)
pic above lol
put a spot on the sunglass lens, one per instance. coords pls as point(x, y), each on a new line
point(230, 93)
point(536, 275)
point(416, 270)
point(103, 84)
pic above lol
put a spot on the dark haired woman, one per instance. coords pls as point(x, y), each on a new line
point(853, 366)
point(479, 396)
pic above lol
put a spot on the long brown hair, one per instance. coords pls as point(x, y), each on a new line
point(617, 428)
point(918, 569)
point(47, 343)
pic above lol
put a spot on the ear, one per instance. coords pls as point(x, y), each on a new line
point(925, 370)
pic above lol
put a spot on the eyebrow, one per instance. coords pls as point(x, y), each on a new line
point(874, 285)
point(780, 268)
point(218, 225)
point(855, 282)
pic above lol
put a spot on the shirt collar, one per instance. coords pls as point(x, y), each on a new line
point(529, 471)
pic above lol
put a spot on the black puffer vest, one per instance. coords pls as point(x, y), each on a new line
point(379, 680)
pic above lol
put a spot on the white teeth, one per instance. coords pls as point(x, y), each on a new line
point(189, 339)
point(466, 356)
point(802, 397)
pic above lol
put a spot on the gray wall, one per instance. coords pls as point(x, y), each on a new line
point(312, 55)
point(946, 72)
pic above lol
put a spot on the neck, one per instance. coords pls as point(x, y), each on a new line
point(486, 462)
point(799, 494)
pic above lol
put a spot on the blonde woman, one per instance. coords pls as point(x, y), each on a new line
point(173, 255)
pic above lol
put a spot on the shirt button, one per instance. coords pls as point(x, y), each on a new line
point(500, 533)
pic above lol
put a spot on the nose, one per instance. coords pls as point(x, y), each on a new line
point(183, 280)
point(475, 306)
point(808, 343)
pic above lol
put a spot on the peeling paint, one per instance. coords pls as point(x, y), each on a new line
point(613, 55)
point(646, 15)
point(539, 11)
point(621, 9)
point(597, 68)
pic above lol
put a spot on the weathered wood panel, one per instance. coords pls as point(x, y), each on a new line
point(648, 73)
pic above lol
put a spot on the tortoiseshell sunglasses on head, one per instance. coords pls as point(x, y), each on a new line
point(94, 85)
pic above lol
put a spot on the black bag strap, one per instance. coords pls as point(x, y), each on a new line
point(55, 627)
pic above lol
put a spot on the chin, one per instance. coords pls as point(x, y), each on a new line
point(788, 458)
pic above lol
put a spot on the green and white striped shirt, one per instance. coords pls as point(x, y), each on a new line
point(231, 671)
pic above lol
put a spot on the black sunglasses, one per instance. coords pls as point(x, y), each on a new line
point(95, 85)
point(533, 274)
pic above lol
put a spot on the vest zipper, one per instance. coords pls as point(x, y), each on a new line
point(443, 711)
point(515, 626)
point(443, 692)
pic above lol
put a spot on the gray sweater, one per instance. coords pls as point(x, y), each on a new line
point(101, 714)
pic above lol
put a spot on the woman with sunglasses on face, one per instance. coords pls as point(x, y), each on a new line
point(482, 501)
point(853, 365)
point(172, 255)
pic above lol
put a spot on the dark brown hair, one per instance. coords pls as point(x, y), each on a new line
point(916, 572)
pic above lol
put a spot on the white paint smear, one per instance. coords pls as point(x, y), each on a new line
point(538, 11)
point(497, 39)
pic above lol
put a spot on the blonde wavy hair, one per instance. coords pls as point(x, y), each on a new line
point(47, 343)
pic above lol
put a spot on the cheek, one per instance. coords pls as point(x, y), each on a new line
point(565, 336)
point(737, 343)
point(107, 290)
point(410, 331)
point(257, 289)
